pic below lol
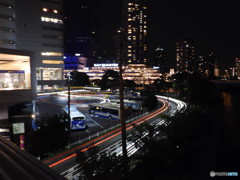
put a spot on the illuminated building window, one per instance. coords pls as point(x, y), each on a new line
point(52, 20)
point(14, 72)
point(52, 62)
point(50, 10)
point(45, 9)
point(51, 54)
point(49, 73)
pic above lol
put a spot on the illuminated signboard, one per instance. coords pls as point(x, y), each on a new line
point(18, 128)
point(106, 65)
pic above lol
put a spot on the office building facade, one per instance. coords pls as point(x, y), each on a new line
point(202, 65)
point(212, 61)
point(185, 53)
point(36, 26)
point(135, 23)
point(237, 68)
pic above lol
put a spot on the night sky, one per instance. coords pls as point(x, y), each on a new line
point(214, 26)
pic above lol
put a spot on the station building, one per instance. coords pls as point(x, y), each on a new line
point(139, 73)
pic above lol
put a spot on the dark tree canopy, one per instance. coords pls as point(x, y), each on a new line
point(79, 79)
point(159, 84)
point(150, 101)
point(110, 80)
point(51, 136)
point(194, 87)
point(130, 84)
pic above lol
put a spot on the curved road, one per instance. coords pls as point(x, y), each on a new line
point(65, 162)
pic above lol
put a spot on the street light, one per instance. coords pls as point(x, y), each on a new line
point(68, 83)
point(122, 114)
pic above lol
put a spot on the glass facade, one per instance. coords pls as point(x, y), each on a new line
point(139, 73)
point(185, 55)
point(137, 31)
point(14, 72)
point(49, 74)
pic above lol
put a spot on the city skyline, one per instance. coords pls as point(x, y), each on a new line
point(211, 26)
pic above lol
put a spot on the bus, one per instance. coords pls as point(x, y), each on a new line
point(135, 105)
point(77, 119)
point(106, 110)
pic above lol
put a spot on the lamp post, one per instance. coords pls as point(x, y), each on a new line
point(69, 97)
point(122, 114)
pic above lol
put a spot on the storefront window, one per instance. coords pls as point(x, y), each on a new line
point(14, 72)
point(49, 74)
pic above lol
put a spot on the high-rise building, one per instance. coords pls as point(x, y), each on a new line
point(237, 67)
point(80, 28)
point(135, 25)
point(211, 65)
point(201, 66)
point(36, 26)
point(185, 55)
point(159, 55)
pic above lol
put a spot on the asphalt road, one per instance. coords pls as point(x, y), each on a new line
point(66, 161)
point(96, 125)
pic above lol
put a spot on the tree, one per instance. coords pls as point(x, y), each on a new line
point(159, 84)
point(194, 88)
point(96, 82)
point(110, 80)
point(79, 79)
point(98, 166)
point(150, 102)
point(130, 84)
point(50, 137)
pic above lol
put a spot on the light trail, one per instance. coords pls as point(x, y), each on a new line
point(116, 131)
point(116, 147)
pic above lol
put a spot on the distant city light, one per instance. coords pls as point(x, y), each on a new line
point(45, 9)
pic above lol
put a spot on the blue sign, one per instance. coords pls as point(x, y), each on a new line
point(12, 71)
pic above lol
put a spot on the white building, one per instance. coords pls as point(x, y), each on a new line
point(35, 26)
point(31, 49)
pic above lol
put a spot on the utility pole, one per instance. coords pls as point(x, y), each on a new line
point(69, 96)
point(121, 97)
